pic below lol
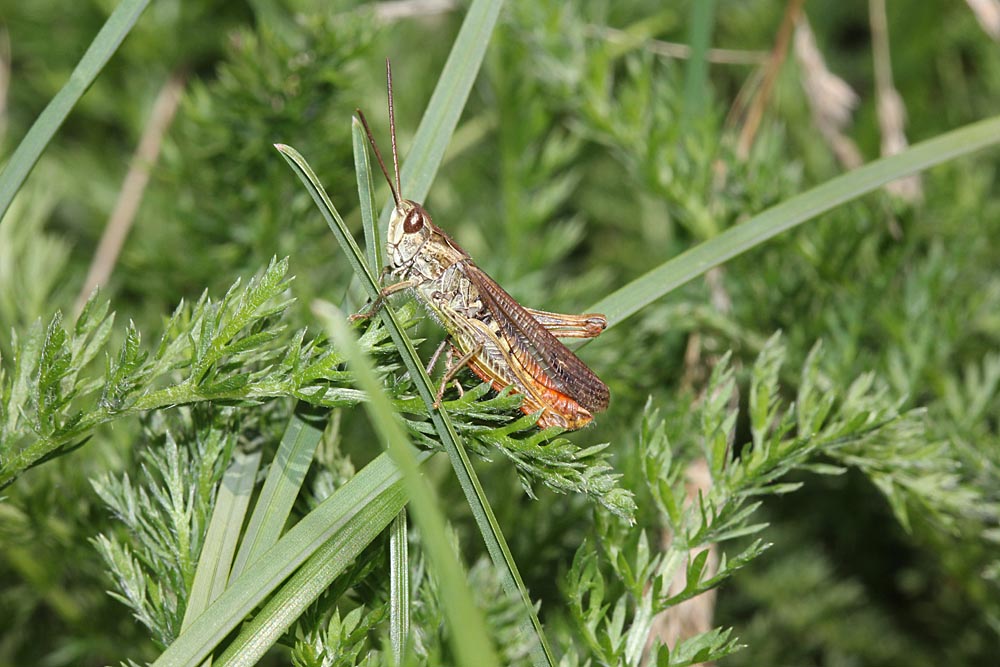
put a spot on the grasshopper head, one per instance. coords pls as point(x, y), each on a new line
point(409, 227)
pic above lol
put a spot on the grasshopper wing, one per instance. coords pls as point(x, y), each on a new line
point(534, 345)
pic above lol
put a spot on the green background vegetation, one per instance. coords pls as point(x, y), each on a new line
point(869, 428)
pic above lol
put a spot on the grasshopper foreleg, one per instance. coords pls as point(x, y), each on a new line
point(380, 300)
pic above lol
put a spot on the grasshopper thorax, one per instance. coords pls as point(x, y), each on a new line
point(409, 228)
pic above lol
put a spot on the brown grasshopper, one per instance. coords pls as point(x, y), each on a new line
point(501, 341)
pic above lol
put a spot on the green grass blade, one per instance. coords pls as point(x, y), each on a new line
point(310, 581)
point(212, 574)
point(52, 117)
point(332, 217)
point(284, 481)
point(486, 521)
point(362, 167)
point(446, 104)
point(399, 587)
point(354, 515)
point(469, 638)
point(696, 83)
point(417, 173)
point(673, 273)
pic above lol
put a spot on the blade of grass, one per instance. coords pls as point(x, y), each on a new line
point(232, 500)
point(54, 115)
point(308, 583)
point(332, 217)
point(362, 167)
point(399, 588)
point(644, 290)
point(399, 562)
point(284, 481)
point(486, 521)
point(696, 84)
point(399, 575)
point(468, 635)
point(353, 515)
point(446, 103)
point(418, 171)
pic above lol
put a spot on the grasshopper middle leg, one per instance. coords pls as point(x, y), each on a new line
point(452, 369)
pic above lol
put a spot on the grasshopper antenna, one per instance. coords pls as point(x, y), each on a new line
point(392, 123)
point(392, 131)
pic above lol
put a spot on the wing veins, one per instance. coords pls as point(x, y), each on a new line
point(563, 370)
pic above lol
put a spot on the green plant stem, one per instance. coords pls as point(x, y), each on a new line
point(181, 394)
point(696, 83)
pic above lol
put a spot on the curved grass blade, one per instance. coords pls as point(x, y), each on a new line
point(418, 171)
point(468, 635)
point(353, 516)
point(52, 117)
point(399, 560)
point(644, 290)
point(332, 217)
point(496, 544)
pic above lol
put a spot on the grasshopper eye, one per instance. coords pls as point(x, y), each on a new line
point(414, 221)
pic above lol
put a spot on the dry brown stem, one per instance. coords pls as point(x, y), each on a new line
point(133, 188)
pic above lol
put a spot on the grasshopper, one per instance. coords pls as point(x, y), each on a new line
point(501, 341)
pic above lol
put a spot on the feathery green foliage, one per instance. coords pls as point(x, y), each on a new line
point(230, 351)
point(825, 496)
point(821, 433)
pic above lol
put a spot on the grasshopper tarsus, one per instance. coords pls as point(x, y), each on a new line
point(379, 301)
point(439, 396)
point(370, 310)
point(357, 317)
